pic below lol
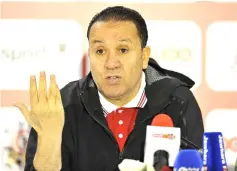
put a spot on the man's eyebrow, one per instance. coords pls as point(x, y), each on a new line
point(125, 40)
point(120, 40)
point(96, 41)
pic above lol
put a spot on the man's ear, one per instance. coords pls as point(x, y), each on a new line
point(146, 56)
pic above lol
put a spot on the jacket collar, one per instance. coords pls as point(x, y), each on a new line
point(160, 85)
point(139, 101)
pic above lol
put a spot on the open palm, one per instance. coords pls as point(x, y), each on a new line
point(46, 114)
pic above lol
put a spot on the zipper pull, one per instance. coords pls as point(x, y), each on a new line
point(121, 156)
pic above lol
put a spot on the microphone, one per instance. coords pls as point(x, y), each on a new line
point(162, 120)
point(162, 139)
point(134, 165)
point(214, 152)
point(161, 159)
point(185, 143)
point(165, 121)
point(188, 159)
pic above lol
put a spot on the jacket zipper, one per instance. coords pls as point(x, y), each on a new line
point(121, 153)
point(109, 132)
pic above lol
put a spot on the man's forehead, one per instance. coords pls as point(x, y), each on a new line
point(113, 24)
point(103, 40)
point(119, 30)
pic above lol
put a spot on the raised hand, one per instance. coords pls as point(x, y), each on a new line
point(46, 114)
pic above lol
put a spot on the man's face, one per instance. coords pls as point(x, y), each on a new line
point(116, 58)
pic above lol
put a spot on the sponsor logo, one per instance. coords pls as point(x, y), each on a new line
point(205, 150)
point(222, 149)
point(176, 54)
point(13, 54)
point(187, 169)
point(167, 136)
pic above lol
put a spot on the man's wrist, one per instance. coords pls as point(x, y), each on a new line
point(48, 154)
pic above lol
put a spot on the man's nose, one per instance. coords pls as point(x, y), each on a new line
point(112, 61)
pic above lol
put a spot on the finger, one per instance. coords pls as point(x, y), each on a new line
point(58, 95)
point(33, 92)
point(52, 90)
point(26, 113)
point(42, 87)
point(24, 110)
point(51, 86)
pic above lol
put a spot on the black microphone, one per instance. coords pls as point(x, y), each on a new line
point(161, 159)
point(185, 143)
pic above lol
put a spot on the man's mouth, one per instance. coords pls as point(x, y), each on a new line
point(113, 79)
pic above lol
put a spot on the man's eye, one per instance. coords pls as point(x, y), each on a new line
point(123, 50)
point(100, 51)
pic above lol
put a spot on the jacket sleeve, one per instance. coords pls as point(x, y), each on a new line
point(194, 120)
point(192, 113)
point(31, 150)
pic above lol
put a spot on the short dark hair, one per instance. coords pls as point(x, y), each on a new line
point(120, 13)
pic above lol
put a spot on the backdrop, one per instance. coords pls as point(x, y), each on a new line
point(198, 39)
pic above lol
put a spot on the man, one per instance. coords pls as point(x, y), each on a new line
point(107, 112)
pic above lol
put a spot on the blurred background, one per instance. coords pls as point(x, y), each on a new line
point(196, 38)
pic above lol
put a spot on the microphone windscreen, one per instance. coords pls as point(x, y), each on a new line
point(162, 120)
point(162, 135)
point(214, 152)
point(188, 159)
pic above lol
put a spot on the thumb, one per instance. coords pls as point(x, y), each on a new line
point(24, 110)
